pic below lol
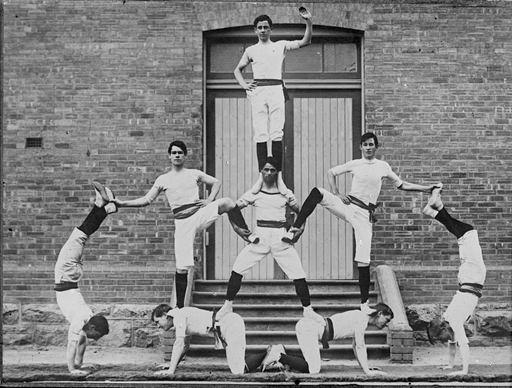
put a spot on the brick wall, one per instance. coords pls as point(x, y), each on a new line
point(437, 92)
point(108, 84)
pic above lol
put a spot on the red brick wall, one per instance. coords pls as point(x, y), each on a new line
point(108, 84)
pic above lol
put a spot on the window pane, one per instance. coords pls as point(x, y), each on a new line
point(225, 56)
point(307, 59)
point(340, 58)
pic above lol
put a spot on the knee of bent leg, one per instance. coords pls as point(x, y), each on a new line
point(184, 269)
point(303, 326)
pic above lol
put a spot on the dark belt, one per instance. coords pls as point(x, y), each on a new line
point(217, 334)
point(370, 207)
point(273, 82)
point(271, 224)
point(472, 288)
point(328, 334)
point(180, 214)
point(64, 286)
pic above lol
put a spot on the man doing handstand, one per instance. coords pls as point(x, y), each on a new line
point(471, 279)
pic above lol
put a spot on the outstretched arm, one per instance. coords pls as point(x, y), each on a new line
point(181, 345)
point(75, 352)
point(306, 15)
point(464, 352)
point(406, 186)
point(139, 202)
point(362, 358)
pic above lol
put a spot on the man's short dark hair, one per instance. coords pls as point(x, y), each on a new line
point(370, 135)
point(179, 144)
point(160, 310)
point(270, 160)
point(384, 308)
point(100, 324)
point(262, 18)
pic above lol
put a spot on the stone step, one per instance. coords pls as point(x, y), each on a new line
point(281, 310)
point(285, 297)
point(335, 351)
point(276, 286)
point(374, 337)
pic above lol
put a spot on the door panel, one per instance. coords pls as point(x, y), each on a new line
point(237, 168)
point(318, 135)
point(322, 138)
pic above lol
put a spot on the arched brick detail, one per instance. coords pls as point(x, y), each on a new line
point(213, 16)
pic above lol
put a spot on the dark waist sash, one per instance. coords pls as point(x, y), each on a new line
point(271, 224)
point(185, 211)
point(64, 286)
point(272, 82)
point(328, 334)
point(371, 207)
point(472, 288)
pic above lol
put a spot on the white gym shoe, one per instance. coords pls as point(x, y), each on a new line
point(225, 309)
point(311, 314)
point(102, 197)
point(254, 238)
point(365, 308)
point(273, 356)
point(434, 203)
point(290, 235)
point(435, 198)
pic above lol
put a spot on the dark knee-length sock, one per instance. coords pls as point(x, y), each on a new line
point(253, 361)
point(236, 217)
point(302, 290)
point(181, 288)
point(364, 282)
point(294, 362)
point(277, 153)
point(313, 199)
point(234, 284)
point(261, 154)
point(454, 226)
point(93, 220)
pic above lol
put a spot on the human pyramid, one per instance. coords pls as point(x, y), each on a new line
point(270, 197)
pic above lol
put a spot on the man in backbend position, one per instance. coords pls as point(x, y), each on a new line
point(471, 277)
point(69, 271)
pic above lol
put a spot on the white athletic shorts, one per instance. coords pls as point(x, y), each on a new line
point(270, 242)
point(309, 333)
point(185, 233)
point(232, 328)
point(472, 267)
point(268, 115)
point(357, 217)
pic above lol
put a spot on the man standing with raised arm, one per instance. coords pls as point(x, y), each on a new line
point(266, 92)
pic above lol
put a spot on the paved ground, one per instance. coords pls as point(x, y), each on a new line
point(27, 366)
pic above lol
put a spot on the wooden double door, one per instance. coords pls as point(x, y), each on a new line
point(320, 128)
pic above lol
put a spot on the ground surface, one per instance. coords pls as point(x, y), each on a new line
point(133, 366)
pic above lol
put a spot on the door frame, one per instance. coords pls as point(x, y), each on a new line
point(296, 84)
